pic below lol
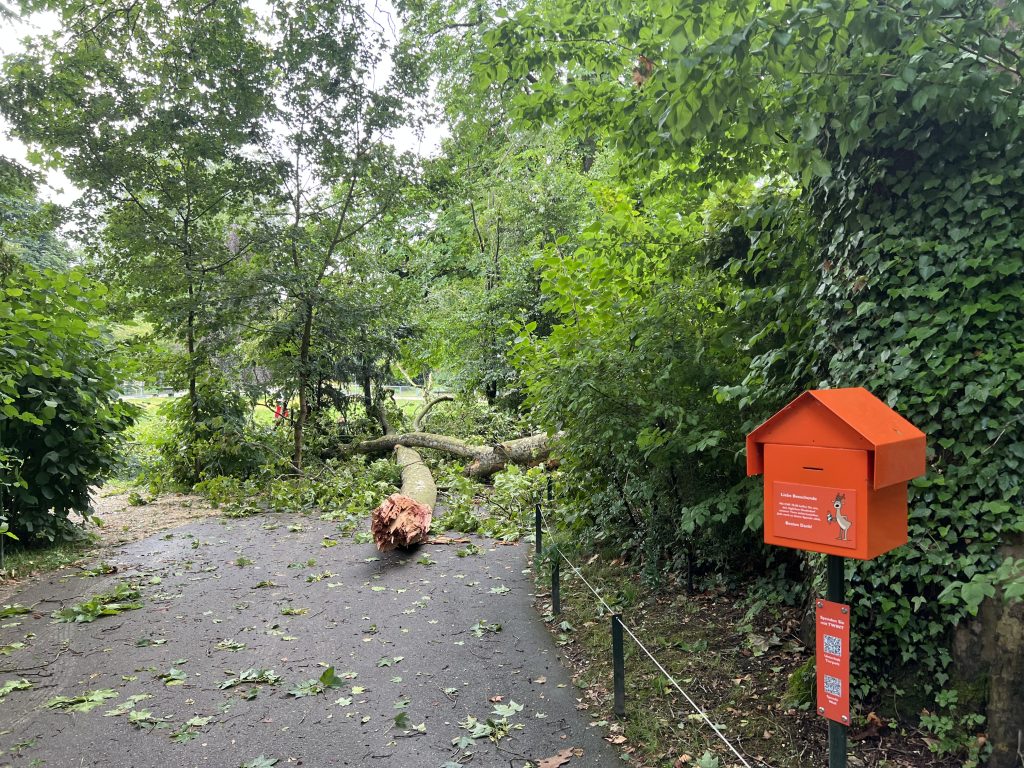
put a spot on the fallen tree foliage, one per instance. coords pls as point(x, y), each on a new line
point(403, 518)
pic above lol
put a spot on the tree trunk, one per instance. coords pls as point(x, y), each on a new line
point(300, 417)
point(403, 519)
point(193, 388)
point(988, 657)
point(485, 460)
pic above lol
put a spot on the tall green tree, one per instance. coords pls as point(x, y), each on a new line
point(494, 201)
point(154, 109)
point(336, 108)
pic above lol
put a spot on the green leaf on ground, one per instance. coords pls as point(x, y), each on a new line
point(173, 676)
point(127, 706)
point(123, 597)
point(14, 685)
point(315, 687)
point(483, 626)
point(84, 702)
point(189, 729)
point(143, 720)
point(507, 710)
point(100, 569)
point(251, 675)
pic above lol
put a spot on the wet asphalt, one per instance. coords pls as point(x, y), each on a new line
point(264, 593)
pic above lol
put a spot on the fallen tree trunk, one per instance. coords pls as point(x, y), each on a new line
point(403, 519)
point(526, 451)
point(485, 460)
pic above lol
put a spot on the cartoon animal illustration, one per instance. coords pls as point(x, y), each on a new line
point(844, 522)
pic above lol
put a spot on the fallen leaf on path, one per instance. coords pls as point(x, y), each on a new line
point(555, 761)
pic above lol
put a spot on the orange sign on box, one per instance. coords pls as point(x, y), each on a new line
point(822, 515)
point(833, 662)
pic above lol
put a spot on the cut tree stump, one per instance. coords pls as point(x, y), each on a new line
point(403, 519)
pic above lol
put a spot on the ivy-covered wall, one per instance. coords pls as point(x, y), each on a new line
point(920, 300)
point(886, 250)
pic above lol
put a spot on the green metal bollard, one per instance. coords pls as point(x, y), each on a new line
point(836, 731)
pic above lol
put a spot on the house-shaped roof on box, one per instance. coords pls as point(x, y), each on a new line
point(845, 418)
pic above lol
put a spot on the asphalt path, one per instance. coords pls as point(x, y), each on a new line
point(430, 650)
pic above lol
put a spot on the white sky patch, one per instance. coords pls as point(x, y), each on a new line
point(56, 188)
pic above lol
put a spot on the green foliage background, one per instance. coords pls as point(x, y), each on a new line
point(651, 225)
point(852, 170)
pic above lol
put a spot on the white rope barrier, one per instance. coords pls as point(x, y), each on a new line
point(696, 707)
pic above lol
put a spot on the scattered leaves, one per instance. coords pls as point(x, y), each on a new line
point(251, 675)
point(484, 626)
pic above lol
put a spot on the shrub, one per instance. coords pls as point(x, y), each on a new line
point(217, 437)
point(60, 414)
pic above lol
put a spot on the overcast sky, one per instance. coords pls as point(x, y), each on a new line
point(58, 189)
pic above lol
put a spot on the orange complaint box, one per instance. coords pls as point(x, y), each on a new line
point(836, 464)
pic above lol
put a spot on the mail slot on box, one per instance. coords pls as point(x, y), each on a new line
point(836, 464)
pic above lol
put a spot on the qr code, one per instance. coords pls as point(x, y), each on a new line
point(833, 686)
point(833, 645)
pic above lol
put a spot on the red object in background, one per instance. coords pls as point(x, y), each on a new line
point(277, 412)
point(833, 660)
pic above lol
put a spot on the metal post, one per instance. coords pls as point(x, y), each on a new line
point(556, 587)
point(618, 667)
point(551, 492)
point(537, 527)
point(836, 731)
